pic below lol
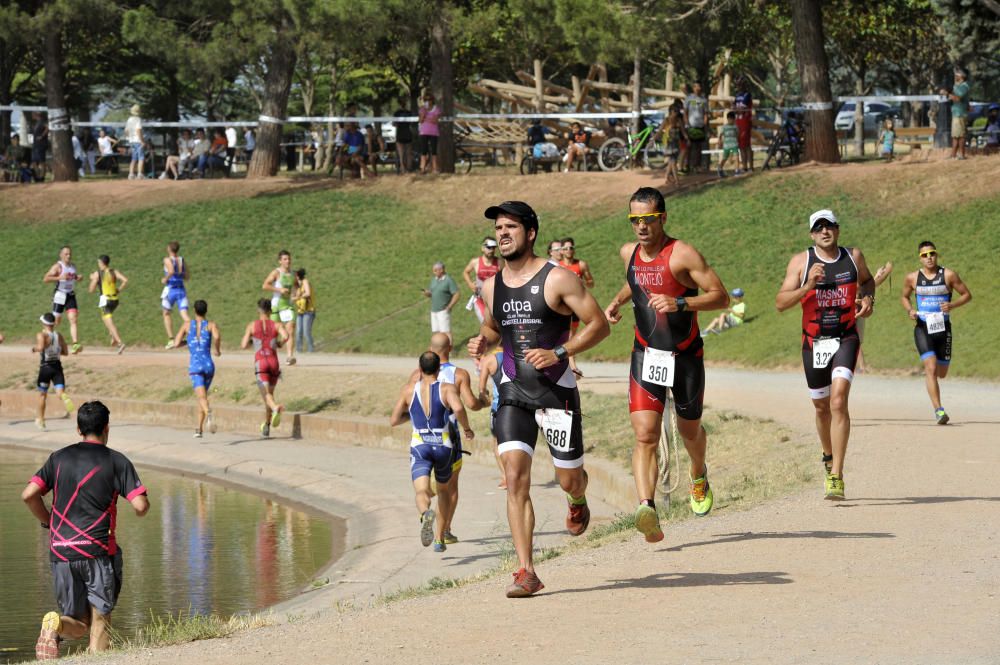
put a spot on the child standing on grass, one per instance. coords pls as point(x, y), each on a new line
point(674, 129)
point(887, 137)
point(730, 143)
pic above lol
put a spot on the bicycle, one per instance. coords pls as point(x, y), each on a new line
point(616, 152)
point(787, 145)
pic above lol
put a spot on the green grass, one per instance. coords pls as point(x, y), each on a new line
point(185, 627)
point(369, 255)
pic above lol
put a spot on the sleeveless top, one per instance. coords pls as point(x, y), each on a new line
point(675, 331)
point(199, 343)
point(306, 305)
point(573, 267)
point(931, 293)
point(109, 285)
point(485, 270)
point(50, 354)
point(265, 338)
point(829, 309)
point(429, 429)
point(285, 281)
point(175, 279)
point(527, 322)
point(67, 285)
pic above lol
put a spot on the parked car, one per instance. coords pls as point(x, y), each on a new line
point(875, 113)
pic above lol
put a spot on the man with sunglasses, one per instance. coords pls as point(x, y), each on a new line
point(933, 285)
point(482, 268)
point(529, 305)
point(835, 287)
point(663, 278)
point(580, 268)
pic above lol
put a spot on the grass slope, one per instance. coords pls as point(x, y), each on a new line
point(368, 256)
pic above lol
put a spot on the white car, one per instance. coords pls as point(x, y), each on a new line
point(874, 113)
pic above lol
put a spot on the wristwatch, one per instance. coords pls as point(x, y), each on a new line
point(561, 352)
point(681, 304)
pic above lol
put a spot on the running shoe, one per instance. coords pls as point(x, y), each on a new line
point(941, 417)
point(828, 463)
point(67, 402)
point(449, 538)
point(427, 528)
point(121, 347)
point(439, 546)
point(291, 361)
point(578, 517)
point(702, 497)
point(47, 646)
point(210, 421)
point(834, 487)
point(265, 430)
point(197, 434)
point(276, 416)
point(40, 423)
point(525, 584)
point(169, 345)
point(75, 348)
point(648, 523)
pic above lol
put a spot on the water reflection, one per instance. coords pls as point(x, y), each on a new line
point(203, 547)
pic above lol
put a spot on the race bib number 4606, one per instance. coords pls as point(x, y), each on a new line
point(658, 367)
point(823, 350)
point(556, 426)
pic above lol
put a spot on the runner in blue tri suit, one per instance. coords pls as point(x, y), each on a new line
point(174, 293)
point(933, 286)
point(428, 404)
point(202, 337)
point(490, 369)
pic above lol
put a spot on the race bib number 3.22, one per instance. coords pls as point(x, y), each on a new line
point(556, 426)
point(823, 350)
point(658, 367)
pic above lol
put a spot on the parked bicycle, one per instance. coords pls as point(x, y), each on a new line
point(787, 145)
point(639, 149)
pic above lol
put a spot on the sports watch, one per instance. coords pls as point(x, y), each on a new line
point(561, 352)
point(681, 304)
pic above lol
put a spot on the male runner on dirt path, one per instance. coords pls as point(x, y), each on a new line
point(834, 286)
point(489, 371)
point(933, 285)
point(569, 261)
point(65, 276)
point(175, 273)
point(663, 277)
point(478, 271)
point(202, 337)
point(530, 303)
point(50, 345)
point(283, 285)
point(429, 403)
point(267, 337)
point(86, 480)
point(112, 282)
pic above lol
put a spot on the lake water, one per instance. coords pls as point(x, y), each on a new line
point(203, 547)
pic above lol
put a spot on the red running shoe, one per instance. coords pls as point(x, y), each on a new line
point(577, 519)
point(525, 584)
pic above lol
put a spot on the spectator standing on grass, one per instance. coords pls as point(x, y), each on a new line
point(674, 129)
point(430, 115)
point(39, 146)
point(78, 155)
point(404, 136)
point(305, 310)
point(443, 292)
point(959, 97)
point(993, 129)
point(730, 143)
point(743, 105)
point(230, 148)
point(89, 150)
point(249, 143)
point(887, 139)
point(86, 480)
point(106, 148)
point(375, 145)
point(135, 140)
point(696, 113)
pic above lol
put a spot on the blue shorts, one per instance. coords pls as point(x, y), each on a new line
point(175, 297)
point(456, 446)
point(202, 379)
point(428, 456)
point(138, 154)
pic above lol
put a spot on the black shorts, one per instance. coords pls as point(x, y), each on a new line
point(688, 389)
point(109, 307)
point(516, 428)
point(427, 145)
point(68, 306)
point(938, 345)
point(50, 374)
point(455, 432)
point(80, 585)
point(841, 366)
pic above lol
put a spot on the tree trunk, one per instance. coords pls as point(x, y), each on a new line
point(442, 83)
point(266, 158)
point(539, 87)
point(636, 89)
point(807, 24)
point(63, 169)
point(859, 117)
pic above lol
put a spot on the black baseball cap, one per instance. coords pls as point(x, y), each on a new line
point(518, 209)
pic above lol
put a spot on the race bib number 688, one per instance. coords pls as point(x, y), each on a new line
point(556, 426)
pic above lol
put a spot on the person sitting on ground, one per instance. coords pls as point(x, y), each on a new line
point(354, 146)
point(732, 317)
point(374, 145)
point(199, 148)
point(541, 149)
point(216, 154)
point(185, 153)
point(578, 145)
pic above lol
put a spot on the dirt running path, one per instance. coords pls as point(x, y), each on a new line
point(905, 571)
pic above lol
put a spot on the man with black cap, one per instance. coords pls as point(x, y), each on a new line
point(835, 287)
point(529, 306)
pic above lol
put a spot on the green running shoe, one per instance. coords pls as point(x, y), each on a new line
point(648, 523)
point(702, 497)
point(834, 487)
point(449, 538)
point(941, 417)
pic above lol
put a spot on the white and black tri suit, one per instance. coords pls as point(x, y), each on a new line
point(931, 293)
point(528, 397)
point(50, 369)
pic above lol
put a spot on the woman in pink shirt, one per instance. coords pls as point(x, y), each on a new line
point(429, 132)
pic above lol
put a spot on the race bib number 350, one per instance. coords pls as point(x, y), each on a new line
point(556, 426)
point(658, 367)
point(823, 350)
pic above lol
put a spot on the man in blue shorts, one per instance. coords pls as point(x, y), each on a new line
point(174, 292)
point(202, 337)
point(933, 285)
point(86, 479)
point(428, 404)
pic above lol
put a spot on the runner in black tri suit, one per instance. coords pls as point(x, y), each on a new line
point(529, 305)
point(834, 286)
point(934, 286)
point(662, 279)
